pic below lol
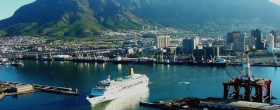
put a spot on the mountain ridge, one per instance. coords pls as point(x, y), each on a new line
point(88, 18)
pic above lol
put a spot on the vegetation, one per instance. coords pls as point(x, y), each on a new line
point(89, 18)
point(149, 35)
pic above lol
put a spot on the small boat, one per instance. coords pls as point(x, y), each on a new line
point(16, 63)
point(120, 60)
point(46, 58)
point(101, 59)
point(184, 82)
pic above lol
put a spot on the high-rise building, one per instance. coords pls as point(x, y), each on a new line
point(189, 45)
point(197, 41)
point(199, 54)
point(233, 36)
point(239, 43)
point(258, 36)
point(251, 42)
point(237, 38)
point(229, 38)
point(211, 52)
point(274, 35)
point(162, 41)
point(271, 45)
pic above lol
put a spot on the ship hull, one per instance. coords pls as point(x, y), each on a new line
point(121, 62)
point(207, 64)
point(135, 89)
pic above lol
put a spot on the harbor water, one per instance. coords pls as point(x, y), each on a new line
point(166, 82)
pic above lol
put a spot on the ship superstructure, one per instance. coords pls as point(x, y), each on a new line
point(109, 89)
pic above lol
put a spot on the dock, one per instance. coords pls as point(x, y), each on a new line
point(209, 103)
point(17, 88)
point(2, 95)
point(55, 90)
point(244, 105)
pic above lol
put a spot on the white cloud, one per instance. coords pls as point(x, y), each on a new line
point(275, 1)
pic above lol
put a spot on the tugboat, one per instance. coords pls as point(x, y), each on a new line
point(120, 60)
point(101, 59)
point(16, 63)
point(46, 58)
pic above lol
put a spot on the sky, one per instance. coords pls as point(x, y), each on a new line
point(275, 1)
point(8, 7)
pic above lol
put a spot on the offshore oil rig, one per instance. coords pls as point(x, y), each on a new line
point(248, 93)
point(253, 89)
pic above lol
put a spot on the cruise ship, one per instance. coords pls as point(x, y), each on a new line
point(108, 89)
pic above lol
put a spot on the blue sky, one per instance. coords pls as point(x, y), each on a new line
point(8, 7)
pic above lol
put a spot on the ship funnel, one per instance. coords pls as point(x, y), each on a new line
point(131, 72)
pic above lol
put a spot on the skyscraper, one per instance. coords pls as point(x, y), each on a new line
point(239, 44)
point(189, 45)
point(162, 41)
point(229, 39)
point(233, 36)
point(275, 34)
point(257, 35)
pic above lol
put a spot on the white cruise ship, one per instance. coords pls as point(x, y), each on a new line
point(109, 89)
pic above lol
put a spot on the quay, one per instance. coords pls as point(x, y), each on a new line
point(16, 88)
point(56, 90)
point(95, 56)
point(209, 103)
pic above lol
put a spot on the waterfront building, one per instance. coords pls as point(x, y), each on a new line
point(212, 52)
point(162, 41)
point(233, 36)
point(237, 38)
point(239, 44)
point(189, 45)
point(113, 52)
point(275, 34)
point(197, 40)
point(199, 46)
point(258, 36)
point(250, 41)
point(270, 48)
point(229, 38)
point(129, 51)
point(171, 50)
point(199, 54)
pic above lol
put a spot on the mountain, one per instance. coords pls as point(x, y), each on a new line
point(207, 14)
point(81, 18)
point(85, 18)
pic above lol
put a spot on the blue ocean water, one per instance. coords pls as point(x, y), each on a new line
point(166, 82)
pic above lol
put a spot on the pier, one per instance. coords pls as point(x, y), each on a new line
point(209, 103)
point(16, 88)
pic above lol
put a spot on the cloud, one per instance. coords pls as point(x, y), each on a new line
point(275, 1)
